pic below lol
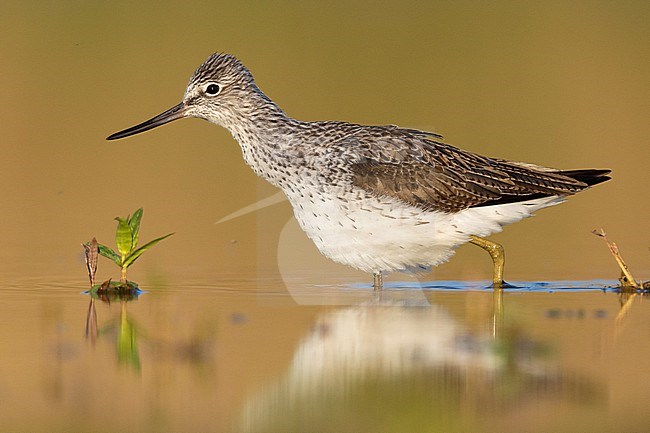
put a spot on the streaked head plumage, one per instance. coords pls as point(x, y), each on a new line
point(224, 69)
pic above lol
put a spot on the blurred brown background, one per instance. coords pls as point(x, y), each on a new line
point(561, 84)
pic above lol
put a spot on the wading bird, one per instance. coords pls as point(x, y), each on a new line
point(377, 198)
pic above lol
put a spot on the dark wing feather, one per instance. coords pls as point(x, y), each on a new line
point(438, 176)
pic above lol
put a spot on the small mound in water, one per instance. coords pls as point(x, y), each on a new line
point(115, 290)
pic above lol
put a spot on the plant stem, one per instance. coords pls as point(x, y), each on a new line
point(123, 279)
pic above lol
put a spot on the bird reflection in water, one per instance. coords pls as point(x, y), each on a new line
point(393, 365)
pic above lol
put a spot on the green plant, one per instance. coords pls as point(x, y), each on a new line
point(126, 239)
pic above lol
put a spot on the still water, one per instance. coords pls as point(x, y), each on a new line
point(265, 355)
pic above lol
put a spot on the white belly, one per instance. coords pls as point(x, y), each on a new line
point(383, 235)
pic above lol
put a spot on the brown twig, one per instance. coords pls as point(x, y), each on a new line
point(627, 280)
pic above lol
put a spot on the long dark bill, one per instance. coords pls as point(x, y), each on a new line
point(174, 113)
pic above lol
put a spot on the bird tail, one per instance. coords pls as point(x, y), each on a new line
point(589, 176)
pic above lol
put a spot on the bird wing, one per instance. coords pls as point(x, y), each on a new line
point(416, 168)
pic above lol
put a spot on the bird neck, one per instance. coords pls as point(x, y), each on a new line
point(255, 117)
point(264, 133)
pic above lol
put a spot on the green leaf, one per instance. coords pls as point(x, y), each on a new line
point(134, 223)
point(123, 237)
point(109, 254)
point(128, 261)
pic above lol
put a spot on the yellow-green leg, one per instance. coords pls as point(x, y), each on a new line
point(498, 255)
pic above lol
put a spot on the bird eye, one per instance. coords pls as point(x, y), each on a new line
point(212, 89)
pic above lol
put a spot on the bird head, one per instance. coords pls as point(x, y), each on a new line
point(219, 91)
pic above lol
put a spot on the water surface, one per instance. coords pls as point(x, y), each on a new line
point(261, 355)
